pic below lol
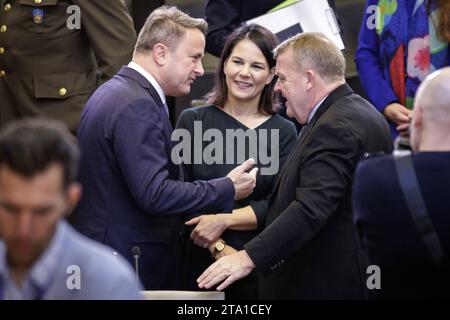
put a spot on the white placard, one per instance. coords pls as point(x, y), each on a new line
point(311, 15)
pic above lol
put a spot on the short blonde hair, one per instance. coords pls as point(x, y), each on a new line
point(313, 50)
point(166, 25)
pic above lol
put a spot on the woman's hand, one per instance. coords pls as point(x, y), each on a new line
point(397, 114)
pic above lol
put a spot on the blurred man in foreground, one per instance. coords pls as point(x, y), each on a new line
point(41, 256)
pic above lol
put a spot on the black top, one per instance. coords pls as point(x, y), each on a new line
point(280, 130)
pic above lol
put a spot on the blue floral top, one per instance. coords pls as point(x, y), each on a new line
point(398, 47)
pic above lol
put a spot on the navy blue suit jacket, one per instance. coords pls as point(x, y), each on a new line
point(132, 193)
point(387, 230)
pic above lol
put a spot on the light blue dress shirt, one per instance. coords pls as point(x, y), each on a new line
point(72, 267)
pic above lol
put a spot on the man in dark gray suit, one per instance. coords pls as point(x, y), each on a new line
point(308, 249)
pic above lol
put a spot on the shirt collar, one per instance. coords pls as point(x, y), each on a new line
point(133, 65)
point(316, 107)
point(45, 267)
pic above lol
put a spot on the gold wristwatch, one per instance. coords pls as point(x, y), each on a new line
point(218, 247)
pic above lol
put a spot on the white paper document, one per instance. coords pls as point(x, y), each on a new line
point(302, 16)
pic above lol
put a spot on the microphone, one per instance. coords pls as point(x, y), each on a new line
point(136, 252)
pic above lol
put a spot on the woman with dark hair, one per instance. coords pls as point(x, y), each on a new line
point(400, 43)
point(239, 123)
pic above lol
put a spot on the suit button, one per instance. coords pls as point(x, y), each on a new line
point(2, 50)
point(7, 7)
point(37, 1)
point(2, 73)
point(3, 28)
point(62, 92)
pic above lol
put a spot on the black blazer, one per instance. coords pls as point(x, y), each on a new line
point(388, 233)
point(309, 249)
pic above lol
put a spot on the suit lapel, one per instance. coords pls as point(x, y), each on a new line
point(334, 96)
point(133, 74)
point(136, 76)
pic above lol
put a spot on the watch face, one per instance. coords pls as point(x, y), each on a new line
point(220, 246)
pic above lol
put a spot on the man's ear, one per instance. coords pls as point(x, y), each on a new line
point(73, 195)
point(418, 117)
point(310, 77)
point(160, 52)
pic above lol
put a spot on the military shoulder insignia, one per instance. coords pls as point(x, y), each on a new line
point(38, 16)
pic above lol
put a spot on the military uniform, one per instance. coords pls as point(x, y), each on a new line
point(48, 69)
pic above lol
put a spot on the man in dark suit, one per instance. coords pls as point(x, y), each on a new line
point(384, 221)
point(309, 249)
point(132, 193)
point(54, 54)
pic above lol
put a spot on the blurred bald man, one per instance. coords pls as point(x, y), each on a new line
point(412, 253)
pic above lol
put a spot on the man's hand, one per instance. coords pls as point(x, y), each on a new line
point(209, 228)
point(397, 114)
point(243, 182)
point(227, 269)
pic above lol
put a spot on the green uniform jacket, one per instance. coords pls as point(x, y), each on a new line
point(48, 67)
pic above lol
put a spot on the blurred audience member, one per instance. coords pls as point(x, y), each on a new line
point(386, 224)
point(41, 256)
point(400, 43)
point(54, 54)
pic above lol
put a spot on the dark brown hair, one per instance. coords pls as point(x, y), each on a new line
point(30, 146)
point(266, 41)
